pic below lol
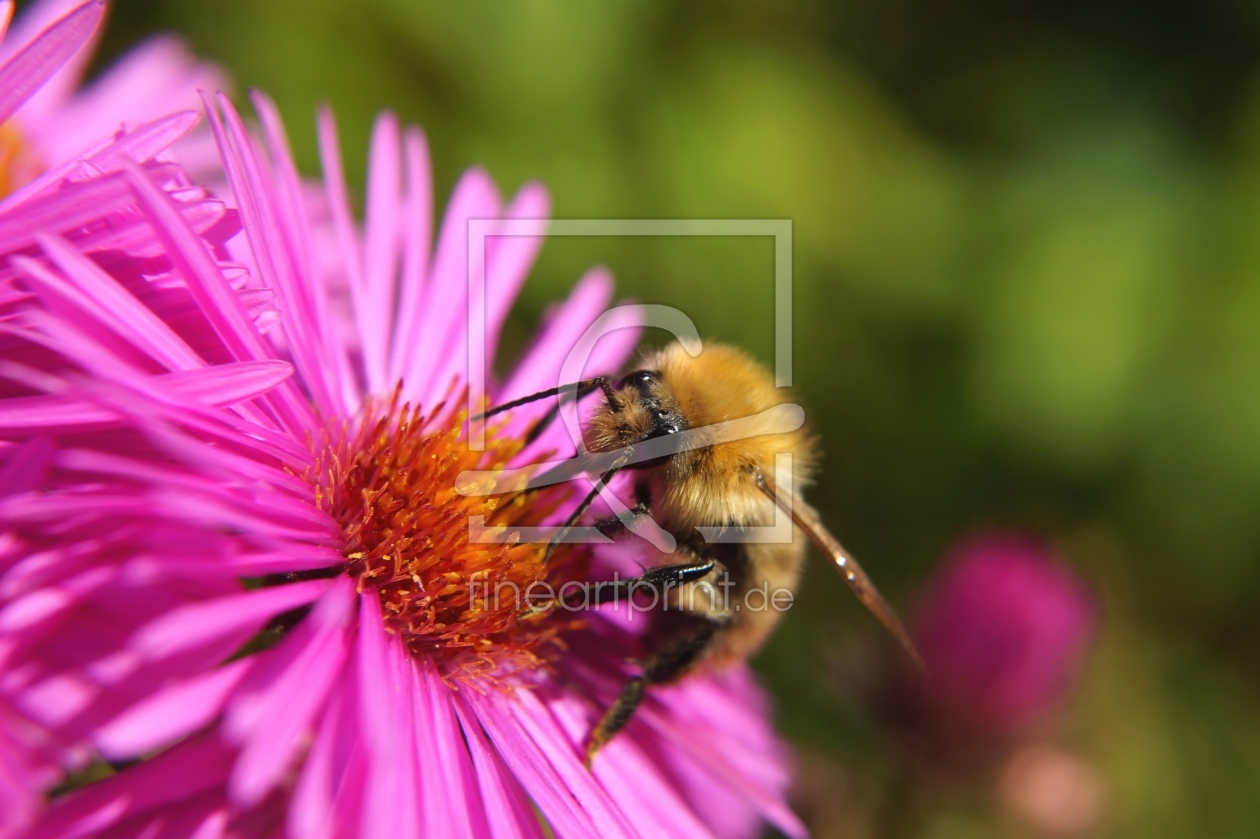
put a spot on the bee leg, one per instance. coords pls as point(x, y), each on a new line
point(662, 668)
point(657, 580)
point(580, 509)
point(615, 526)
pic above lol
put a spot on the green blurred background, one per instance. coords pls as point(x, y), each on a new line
point(1027, 294)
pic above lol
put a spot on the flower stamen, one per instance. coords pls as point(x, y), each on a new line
point(390, 485)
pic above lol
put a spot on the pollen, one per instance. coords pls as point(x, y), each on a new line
point(469, 605)
point(17, 161)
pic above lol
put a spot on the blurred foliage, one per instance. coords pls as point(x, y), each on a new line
point(1027, 293)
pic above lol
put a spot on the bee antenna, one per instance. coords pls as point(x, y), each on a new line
point(806, 518)
point(579, 389)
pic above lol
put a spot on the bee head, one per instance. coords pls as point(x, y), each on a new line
point(642, 408)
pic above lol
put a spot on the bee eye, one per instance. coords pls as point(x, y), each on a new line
point(638, 379)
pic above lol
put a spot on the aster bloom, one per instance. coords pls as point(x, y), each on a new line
point(235, 550)
point(98, 214)
point(88, 201)
point(1003, 629)
point(48, 122)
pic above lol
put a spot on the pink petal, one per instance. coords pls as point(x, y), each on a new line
point(609, 353)
point(539, 368)
point(612, 350)
point(54, 701)
point(216, 298)
point(158, 77)
point(26, 71)
point(548, 768)
point(61, 211)
point(112, 304)
point(139, 145)
point(187, 770)
point(195, 624)
point(202, 816)
point(293, 207)
point(159, 411)
point(417, 234)
point(60, 88)
point(228, 384)
point(24, 775)
point(374, 301)
point(26, 466)
point(511, 257)
point(507, 811)
point(219, 386)
point(639, 787)
point(444, 321)
point(273, 250)
point(446, 770)
point(328, 799)
point(338, 199)
point(171, 713)
point(496, 268)
point(49, 601)
point(391, 805)
point(673, 729)
point(274, 708)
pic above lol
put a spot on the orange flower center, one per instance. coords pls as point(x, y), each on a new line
point(18, 165)
point(461, 601)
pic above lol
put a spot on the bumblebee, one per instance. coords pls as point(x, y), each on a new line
point(725, 485)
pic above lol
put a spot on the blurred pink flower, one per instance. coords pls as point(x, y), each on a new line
point(1003, 630)
point(176, 423)
point(47, 120)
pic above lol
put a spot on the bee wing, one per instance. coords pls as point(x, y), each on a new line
point(806, 518)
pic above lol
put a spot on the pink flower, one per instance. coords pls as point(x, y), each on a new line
point(233, 549)
point(93, 209)
point(1003, 630)
point(47, 121)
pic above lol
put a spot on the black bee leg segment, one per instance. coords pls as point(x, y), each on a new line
point(662, 668)
point(656, 580)
point(616, 717)
point(615, 526)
